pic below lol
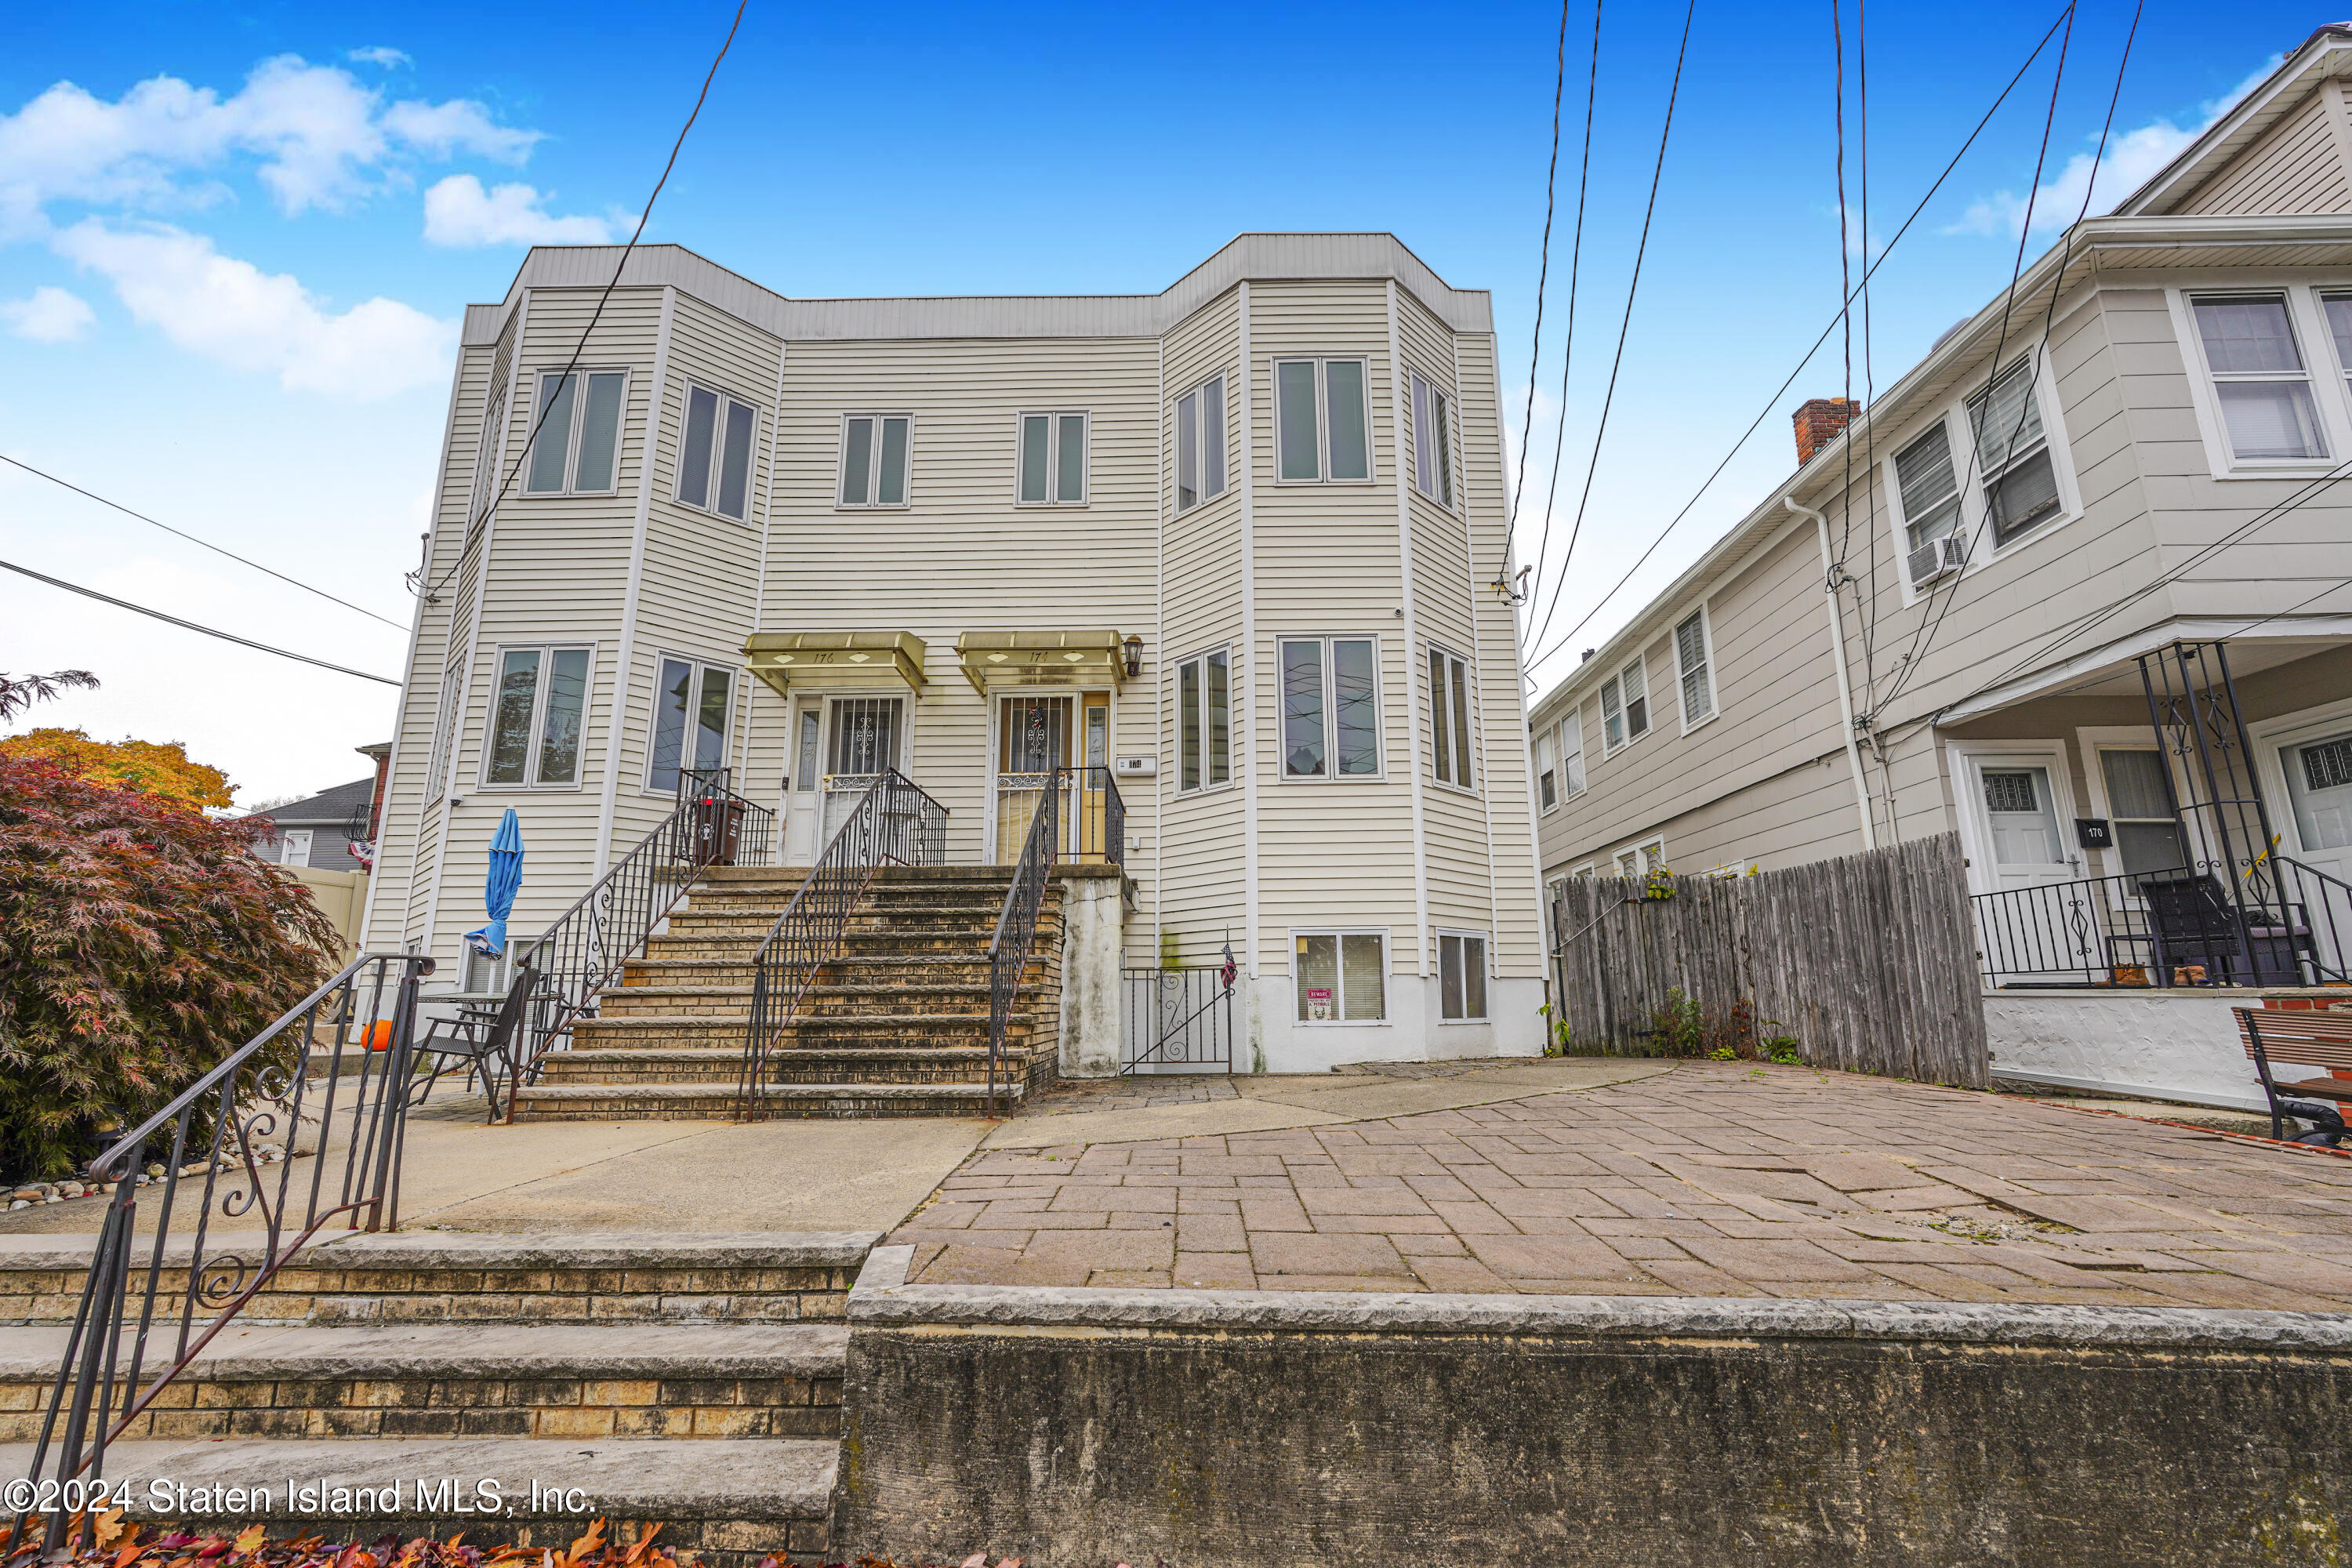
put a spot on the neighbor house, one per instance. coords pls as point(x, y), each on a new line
point(332, 830)
point(2074, 588)
point(1237, 540)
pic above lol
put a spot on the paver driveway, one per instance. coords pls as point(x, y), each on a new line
point(1716, 1179)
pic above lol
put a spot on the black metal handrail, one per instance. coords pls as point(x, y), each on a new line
point(2294, 928)
point(577, 958)
point(895, 824)
point(360, 1027)
point(1100, 830)
point(1016, 923)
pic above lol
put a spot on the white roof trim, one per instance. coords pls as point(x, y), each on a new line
point(2099, 661)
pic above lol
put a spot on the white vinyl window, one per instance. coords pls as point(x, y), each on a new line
point(2014, 463)
point(1322, 429)
point(1342, 976)
point(874, 459)
point(1637, 859)
point(294, 846)
point(1432, 442)
point(1462, 977)
point(714, 459)
point(693, 706)
point(1571, 753)
point(448, 705)
point(2338, 310)
point(1052, 459)
point(1330, 707)
point(536, 708)
point(486, 459)
point(1452, 720)
point(1548, 794)
point(1204, 731)
point(1200, 443)
point(1928, 493)
point(1624, 707)
point(1694, 664)
point(2259, 381)
point(2147, 836)
point(578, 448)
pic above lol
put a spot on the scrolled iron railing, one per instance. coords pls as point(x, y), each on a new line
point(578, 956)
point(1016, 925)
point(338, 1071)
point(895, 822)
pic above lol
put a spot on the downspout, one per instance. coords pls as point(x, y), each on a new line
point(1844, 686)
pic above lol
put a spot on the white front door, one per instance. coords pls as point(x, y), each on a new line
point(2317, 763)
point(839, 745)
point(2018, 811)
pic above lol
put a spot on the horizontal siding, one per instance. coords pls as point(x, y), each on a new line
point(2297, 167)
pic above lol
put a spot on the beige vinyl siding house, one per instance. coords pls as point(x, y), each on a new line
point(952, 513)
point(1945, 610)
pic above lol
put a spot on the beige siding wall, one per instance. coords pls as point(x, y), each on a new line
point(2297, 167)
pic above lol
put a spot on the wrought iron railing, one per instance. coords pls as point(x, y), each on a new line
point(895, 824)
point(577, 958)
point(299, 1128)
point(1179, 1018)
point(2188, 927)
point(1098, 824)
point(1016, 925)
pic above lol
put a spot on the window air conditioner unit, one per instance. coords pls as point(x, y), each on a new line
point(1937, 557)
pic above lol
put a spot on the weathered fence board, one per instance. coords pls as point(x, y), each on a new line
point(1868, 961)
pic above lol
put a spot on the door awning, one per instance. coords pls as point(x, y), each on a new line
point(843, 659)
point(998, 658)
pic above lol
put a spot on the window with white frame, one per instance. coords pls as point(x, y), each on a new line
point(1341, 976)
point(1432, 442)
point(1330, 707)
point(1928, 493)
point(294, 846)
point(2148, 838)
point(1547, 773)
point(1696, 669)
point(1571, 753)
point(1637, 859)
point(448, 705)
point(1200, 443)
point(693, 705)
point(1462, 977)
point(1322, 431)
point(2014, 463)
point(1451, 721)
point(2338, 310)
point(1204, 734)
point(2259, 381)
point(874, 459)
point(714, 458)
point(577, 449)
point(1624, 707)
point(535, 716)
point(1052, 459)
point(486, 458)
point(492, 974)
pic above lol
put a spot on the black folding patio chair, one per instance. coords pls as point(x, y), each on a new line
point(478, 1037)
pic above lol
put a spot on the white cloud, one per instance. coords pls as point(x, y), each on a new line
point(378, 55)
point(48, 315)
point(232, 312)
point(321, 138)
point(2131, 159)
point(458, 211)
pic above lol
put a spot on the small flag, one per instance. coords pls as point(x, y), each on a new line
point(1227, 973)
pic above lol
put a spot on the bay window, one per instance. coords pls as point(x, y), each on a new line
point(1432, 462)
point(1321, 429)
point(1200, 443)
point(692, 705)
point(1204, 722)
point(1330, 707)
point(874, 459)
point(1449, 720)
point(1052, 459)
point(714, 461)
point(535, 716)
point(577, 448)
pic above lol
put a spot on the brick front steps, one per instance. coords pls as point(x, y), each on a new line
point(896, 1025)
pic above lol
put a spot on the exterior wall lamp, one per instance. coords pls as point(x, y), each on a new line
point(1133, 647)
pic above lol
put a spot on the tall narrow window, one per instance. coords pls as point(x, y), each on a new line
point(1200, 443)
point(1330, 707)
point(2013, 460)
point(2147, 835)
point(1452, 726)
point(1341, 976)
point(1432, 441)
point(805, 766)
point(1052, 458)
point(1547, 773)
point(1931, 504)
point(535, 717)
point(1635, 677)
point(714, 462)
point(1462, 978)
point(1572, 755)
point(1321, 429)
point(693, 703)
point(486, 459)
point(2340, 326)
point(1203, 724)
point(1691, 663)
point(577, 448)
point(874, 459)
point(2258, 375)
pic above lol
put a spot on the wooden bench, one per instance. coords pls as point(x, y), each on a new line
point(2314, 1038)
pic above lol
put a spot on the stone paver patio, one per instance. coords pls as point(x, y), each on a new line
point(1715, 1179)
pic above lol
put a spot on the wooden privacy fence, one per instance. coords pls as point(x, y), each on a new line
point(1868, 961)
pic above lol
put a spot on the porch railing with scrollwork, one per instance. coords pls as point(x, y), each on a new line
point(301, 1128)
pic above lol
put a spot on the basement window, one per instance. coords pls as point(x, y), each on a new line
point(1341, 976)
point(1462, 977)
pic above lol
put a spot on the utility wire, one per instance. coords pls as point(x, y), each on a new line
point(192, 539)
point(189, 626)
point(1625, 326)
point(1543, 273)
point(546, 404)
point(1766, 412)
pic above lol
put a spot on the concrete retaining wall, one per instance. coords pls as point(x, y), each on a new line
point(1273, 1428)
point(2162, 1044)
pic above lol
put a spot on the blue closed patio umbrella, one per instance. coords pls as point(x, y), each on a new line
point(499, 891)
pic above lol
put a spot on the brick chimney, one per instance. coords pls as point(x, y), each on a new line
point(1818, 421)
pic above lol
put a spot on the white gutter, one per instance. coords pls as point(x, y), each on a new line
point(1845, 686)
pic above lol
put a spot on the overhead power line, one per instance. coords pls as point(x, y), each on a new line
point(1543, 274)
point(188, 625)
point(192, 539)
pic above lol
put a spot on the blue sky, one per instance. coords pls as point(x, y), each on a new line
point(234, 244)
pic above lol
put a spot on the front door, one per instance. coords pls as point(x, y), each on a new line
point(839, 744)
point(1033, 741)
point(2317, 763)
point(2031, 934)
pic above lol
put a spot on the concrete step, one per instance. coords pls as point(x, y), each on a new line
point(730, 1503)
point(799, 1064)
point(717, 1031)
point(474, 1380)
point(718, 1102)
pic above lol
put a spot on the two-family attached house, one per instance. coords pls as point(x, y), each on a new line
point(2073, 587)
point(1235, 541)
